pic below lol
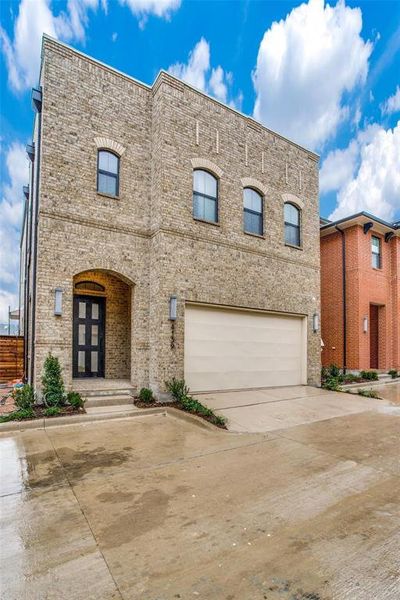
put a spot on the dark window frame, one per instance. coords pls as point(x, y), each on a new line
point(296, 227)
point(254, 212)
point(108, 173)
point(80, 285)
point(200, 195)
point(376, 254)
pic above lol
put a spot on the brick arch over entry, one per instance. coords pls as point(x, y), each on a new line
point(111, 272)
point(117, 297)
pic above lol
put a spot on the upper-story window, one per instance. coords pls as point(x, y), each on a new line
point(252, 211)
point(376, 252)
point(108, 173)
point(205, 196)
point(292, 224)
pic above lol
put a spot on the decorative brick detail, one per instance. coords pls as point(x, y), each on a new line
point(293, 199)
point(148, 235)
point(204, 163)
point(102, 142)
point(254, 183)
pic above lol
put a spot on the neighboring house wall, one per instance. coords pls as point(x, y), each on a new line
point(366, 286)
point(147, 236)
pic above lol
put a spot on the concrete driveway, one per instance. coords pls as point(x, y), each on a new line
point(155, 508)
point(273, 408)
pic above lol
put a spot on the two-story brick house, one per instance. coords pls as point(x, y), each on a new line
point(360, 293)
point(166, 234)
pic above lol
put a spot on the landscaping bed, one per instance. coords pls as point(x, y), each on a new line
point(25, 403)
point(183, 401)
point(40, 412)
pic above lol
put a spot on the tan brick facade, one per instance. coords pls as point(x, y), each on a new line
point(147, 237)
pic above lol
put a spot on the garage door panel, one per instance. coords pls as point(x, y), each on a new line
point(231, 349)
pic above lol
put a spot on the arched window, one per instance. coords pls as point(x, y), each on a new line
point(252, 211)
point(107, 173)
point(91, 286)
point(205, 196)
point(292, 224)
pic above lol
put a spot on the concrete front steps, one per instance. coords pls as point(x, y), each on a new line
point(106, 394)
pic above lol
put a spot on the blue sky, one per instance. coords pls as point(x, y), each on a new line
point(325, 75)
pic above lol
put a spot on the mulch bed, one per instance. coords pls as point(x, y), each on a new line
point(154, 404)
point(39, 413)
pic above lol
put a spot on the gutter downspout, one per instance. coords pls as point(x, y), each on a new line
point(35, 228)
point(344, 301)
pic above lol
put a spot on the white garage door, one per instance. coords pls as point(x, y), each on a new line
point(234, 349)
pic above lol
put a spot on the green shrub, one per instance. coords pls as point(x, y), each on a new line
point(333, 371)
point(52, 382)
point(177, 388)
point(146, 395)
point(75, 399)
point(18, 415)
point(369, 375)
point(393, 373)
point(332, 384)
point(368, 393)
point(24, 397)
point(181, 393)
point(52, 411)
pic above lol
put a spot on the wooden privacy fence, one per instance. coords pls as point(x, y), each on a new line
point(11, 357)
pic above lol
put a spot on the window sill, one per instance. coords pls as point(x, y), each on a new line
point(216, 224)
point(107, 195)
point(293, 246)
point(256, 235)
point(377, 268)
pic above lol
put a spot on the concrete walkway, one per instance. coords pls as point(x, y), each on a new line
point(152, 508)
point(276, 408)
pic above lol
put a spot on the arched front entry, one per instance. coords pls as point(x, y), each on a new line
point(101, 325)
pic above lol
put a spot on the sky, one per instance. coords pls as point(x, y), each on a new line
point(326, 75)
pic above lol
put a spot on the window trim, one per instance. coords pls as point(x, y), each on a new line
point(299, 226)
point(378, 254)
point(116, 176)
point(216, 199)
point(79, 286)
point(253, 212)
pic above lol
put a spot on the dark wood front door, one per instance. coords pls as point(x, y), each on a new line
point(88, 336)
point(374, 336)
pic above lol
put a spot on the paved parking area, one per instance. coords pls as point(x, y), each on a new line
point(273, 408)
point(155, 508)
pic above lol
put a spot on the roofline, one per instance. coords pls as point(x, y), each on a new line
point(361, 214)
point(163, 72)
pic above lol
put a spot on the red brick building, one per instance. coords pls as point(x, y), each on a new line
point(360, 293)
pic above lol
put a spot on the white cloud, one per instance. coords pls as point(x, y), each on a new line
point(392, 104)
point(374, 183)
point(159, 8)
point(306, 64)
point(11, 209)
point(35, 17)
point(197, 72)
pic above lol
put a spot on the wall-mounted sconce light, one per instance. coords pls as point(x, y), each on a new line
point(315, 322)
point(173, 306)
point(365, 324)
point(37, 99)
point(30, 150)
point(58, 302)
